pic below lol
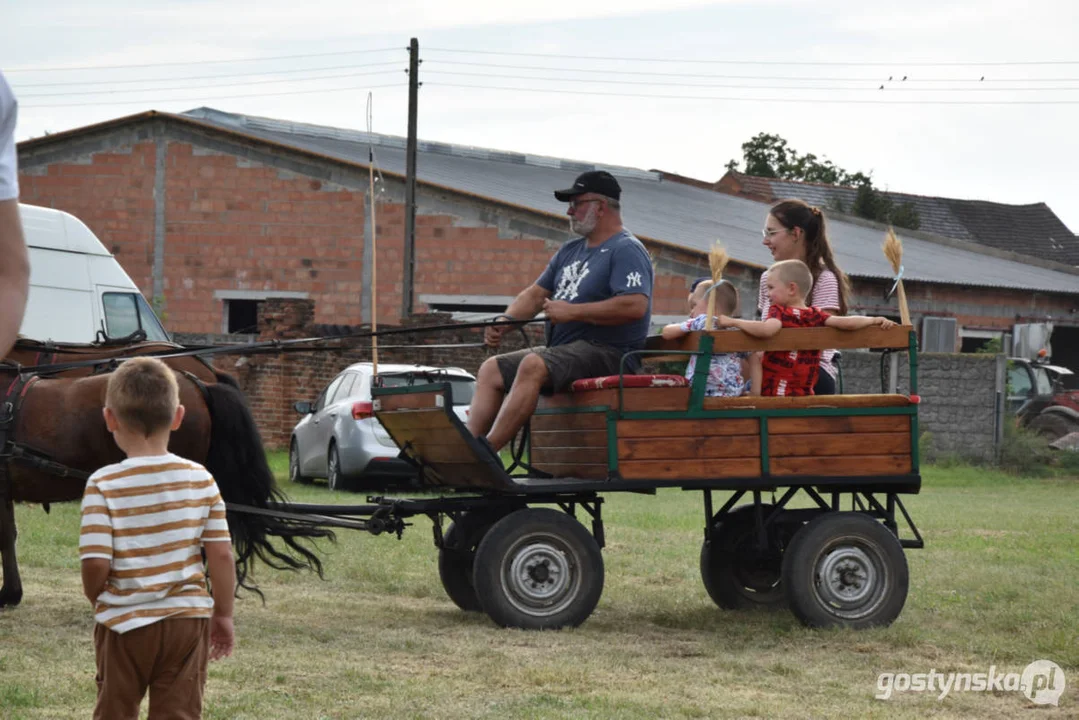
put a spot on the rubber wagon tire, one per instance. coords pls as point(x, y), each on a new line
point(538, 570)
point(294, 473)
point(457, 555)
point(735, 577)
point(845, 569)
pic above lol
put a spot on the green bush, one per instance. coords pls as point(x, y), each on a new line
point(1025, 452)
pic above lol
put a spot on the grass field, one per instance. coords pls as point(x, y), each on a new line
point(996, 585)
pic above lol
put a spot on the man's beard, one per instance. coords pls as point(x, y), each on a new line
point(586, 224)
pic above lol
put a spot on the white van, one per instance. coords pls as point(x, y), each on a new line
point(78, 291)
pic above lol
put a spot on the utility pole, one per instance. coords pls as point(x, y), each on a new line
point(410, 179)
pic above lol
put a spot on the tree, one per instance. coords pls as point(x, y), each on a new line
point(770, 156)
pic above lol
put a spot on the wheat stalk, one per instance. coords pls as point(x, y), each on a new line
point(893, 250)
point(717, 263)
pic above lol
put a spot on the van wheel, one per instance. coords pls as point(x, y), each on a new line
point(294, 474)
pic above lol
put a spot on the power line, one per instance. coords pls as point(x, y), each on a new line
point(213, 87)
point(206, 77)
point(755, 99)
point(201, 62)
point(204, 98)
point(791, 78)
point(883, 86)
point(901, 63)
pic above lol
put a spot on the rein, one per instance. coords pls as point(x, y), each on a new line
point(271, 346)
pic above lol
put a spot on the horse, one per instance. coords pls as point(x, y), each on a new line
point(52, 436)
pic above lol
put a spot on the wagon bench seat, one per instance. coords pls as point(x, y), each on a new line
point(629, 381)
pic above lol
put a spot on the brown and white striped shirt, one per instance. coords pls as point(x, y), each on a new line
point(149, 516)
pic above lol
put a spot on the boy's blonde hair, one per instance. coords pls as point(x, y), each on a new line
point(793, 271)
point(144, 395)
point(726, 296)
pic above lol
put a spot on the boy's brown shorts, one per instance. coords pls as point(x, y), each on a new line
point(566, 363)
point(168, 657)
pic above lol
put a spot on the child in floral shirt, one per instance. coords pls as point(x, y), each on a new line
point(727, 373)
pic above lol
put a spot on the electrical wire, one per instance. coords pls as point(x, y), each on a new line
point(830, 101)
point(199, 62)
point(212, 87)
point(861, 63)
point(205, 98)
point(207, 77)
point(711, 76)
point(666, 83)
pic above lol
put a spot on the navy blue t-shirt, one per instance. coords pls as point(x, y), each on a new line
point(581, 274)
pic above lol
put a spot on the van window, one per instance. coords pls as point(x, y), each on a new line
point(127, 312)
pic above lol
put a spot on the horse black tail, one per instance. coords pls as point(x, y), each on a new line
point(237, 461)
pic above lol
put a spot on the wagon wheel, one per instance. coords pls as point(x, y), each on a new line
point(294, 474)
point(845, 569)
point(455, 557)
point(538, 570)
point(736, 574)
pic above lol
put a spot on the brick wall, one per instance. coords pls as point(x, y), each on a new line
point(235, 224)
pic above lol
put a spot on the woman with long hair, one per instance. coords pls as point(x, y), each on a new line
point(795, 230)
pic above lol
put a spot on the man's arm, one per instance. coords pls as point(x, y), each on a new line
point(757, 328)
point(618, 310)
point(95, 575)
point(524, 307)
point(857, 322)
point(14, 274)
point(222, 572)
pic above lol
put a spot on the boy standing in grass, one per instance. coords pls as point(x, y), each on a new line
point(145, 523)
point(793, 372)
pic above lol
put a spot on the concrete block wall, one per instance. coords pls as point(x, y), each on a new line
point(959, 394)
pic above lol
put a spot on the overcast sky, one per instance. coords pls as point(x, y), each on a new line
point(791, 68)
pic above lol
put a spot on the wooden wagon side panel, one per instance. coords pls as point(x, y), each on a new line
point(689, 449)
point(570, 444)
point(840, 446)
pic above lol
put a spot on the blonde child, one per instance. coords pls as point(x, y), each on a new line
point(793, 373)
point(145, 523)
point(727, 372)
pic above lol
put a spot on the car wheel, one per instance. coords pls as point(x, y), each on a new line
point(294, 474)
point(333, 469)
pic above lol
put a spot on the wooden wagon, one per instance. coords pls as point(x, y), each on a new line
point(829, 546)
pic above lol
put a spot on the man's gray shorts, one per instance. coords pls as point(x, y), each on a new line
point(566, 363)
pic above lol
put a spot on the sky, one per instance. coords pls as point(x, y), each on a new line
point(988, 109)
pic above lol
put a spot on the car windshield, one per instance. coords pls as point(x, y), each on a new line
point(461, 387)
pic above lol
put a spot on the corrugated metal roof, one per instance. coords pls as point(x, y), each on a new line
point(668, 211)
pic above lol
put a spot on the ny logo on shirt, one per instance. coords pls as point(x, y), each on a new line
point(633, 279)
point(570, 280)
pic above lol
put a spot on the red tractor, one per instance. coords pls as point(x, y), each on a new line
point(1037, 396)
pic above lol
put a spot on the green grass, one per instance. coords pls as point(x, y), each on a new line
point(996, 585)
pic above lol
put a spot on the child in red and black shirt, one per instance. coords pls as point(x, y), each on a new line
point(794, 372)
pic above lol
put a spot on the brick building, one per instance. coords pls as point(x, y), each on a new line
point(213, 213)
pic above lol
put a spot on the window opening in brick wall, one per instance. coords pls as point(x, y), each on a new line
point(242, 316)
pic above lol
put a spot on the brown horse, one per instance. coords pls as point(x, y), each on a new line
point(54, 436)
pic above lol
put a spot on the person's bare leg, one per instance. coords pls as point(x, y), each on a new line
point(487, 399)
point(521, 401)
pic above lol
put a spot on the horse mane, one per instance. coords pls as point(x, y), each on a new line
point(237, 461)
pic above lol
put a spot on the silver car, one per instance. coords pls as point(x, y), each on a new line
point(340, 439)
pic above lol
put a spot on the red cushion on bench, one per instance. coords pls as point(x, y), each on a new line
point(630, 381)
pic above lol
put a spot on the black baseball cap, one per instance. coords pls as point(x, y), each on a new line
point(600, 182)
